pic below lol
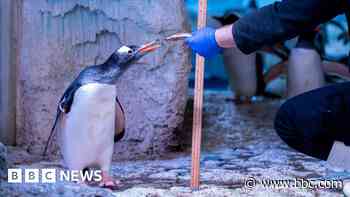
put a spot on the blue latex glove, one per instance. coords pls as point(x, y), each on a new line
point(204, 43)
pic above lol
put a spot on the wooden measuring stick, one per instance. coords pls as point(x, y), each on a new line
point(198, 103)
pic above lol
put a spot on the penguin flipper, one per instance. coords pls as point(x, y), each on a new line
point(58, 114)
point(64, 106)
point(67, 99)
point(119, 122)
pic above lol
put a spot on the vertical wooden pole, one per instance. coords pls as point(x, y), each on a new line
point(198, 103)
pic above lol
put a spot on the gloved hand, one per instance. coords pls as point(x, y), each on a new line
point(204, 43)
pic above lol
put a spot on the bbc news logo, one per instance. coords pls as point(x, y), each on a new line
point(47, 175)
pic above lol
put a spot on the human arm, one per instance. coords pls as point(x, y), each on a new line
point(271, 24)
point(282, 21)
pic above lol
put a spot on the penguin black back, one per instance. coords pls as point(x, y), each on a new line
point(106, 73)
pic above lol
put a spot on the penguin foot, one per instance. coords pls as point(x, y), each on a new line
point(108, 182)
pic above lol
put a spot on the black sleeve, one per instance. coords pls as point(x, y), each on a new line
point(282, 21)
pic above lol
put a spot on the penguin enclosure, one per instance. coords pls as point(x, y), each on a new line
point(45, 46)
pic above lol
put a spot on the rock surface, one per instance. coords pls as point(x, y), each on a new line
point(61, 37)
point(3, 161)
point(245, 146)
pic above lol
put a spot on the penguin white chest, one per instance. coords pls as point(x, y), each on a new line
point(88, 129)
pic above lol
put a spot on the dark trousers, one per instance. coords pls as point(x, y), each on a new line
point(311, 122)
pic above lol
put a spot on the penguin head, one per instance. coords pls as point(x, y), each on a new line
point(228, 18)
point(132, 53)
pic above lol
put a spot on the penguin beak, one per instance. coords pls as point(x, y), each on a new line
point(149, 47)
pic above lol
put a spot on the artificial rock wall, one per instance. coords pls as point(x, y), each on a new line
point(60, 37)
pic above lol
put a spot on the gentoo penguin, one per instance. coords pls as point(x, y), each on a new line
point(305, 71)
point(91, 116)
point(241, 68)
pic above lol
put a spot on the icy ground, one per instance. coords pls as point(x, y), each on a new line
point(238, 143)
